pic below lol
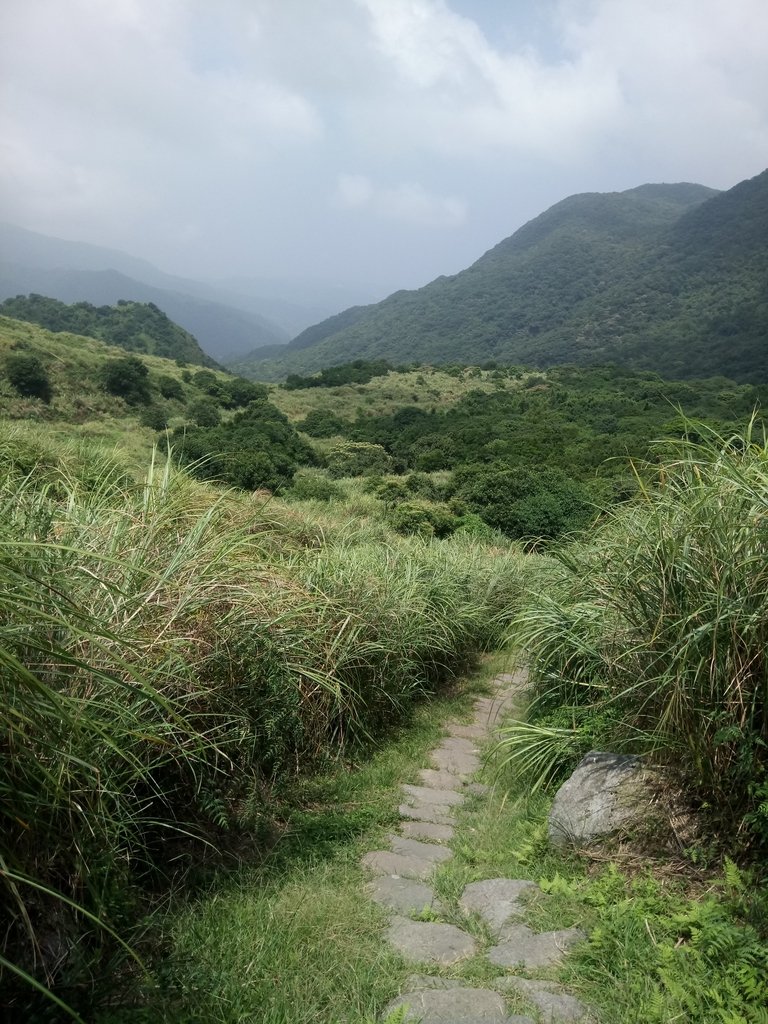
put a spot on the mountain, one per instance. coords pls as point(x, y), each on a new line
point(134, 326)
point(666, 277)
point(225, 324)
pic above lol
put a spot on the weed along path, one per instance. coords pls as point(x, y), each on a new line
point(481, 931)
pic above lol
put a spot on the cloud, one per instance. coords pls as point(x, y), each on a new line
point(408, 202)
point(124, 122)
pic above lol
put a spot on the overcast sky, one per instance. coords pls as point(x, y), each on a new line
point(377, 142)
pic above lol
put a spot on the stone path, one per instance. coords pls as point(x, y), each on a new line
point(400, 883)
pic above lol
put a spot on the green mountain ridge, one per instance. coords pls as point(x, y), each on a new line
point(663, 277)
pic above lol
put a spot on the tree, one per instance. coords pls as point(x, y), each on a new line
point(358, 458)
point(28, 376)
point(204, 413)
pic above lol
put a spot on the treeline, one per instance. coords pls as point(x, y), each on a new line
point(359, 371)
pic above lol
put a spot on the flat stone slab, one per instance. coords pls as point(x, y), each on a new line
point(426, 942)
point(385, 862)
point(496, 900)
point(403, 895)
point(439, 780)
point(467, 732)
point(522, 947)
point(554, 1004)
point(425, 795)
point(517, 678)
point(437, 814)
point(425, 851)
point(457, 756)
point(427, 830)
point(458, 1005)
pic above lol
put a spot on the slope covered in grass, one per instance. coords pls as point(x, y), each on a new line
point(170, 653)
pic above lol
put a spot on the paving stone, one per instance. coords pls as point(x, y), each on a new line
point(457, 1005)
point(385, 862)
point(439, 780)
point(426, 942)
point(437, 814)
point(415, 848)
point(521, 946)
point(402, 894)
point(467, 732)
point(425, 795)
point(496, 900)
point(427, 830)
point(555, 1005)
point(456, 755)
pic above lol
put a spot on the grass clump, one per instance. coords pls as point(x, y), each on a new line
point(654, 638)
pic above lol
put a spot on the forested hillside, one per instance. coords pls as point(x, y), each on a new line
point(135, 326)
point(662, 277)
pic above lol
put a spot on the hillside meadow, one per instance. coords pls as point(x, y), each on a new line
point(202, 679)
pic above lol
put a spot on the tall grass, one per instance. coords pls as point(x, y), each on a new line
point(655, 636)
point(168, 652)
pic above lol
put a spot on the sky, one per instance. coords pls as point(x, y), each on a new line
point(366, 143)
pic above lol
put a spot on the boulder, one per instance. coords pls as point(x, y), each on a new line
point(607, 793)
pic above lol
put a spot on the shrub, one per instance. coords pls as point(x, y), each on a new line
point(422, 517)
point(204, 412)
point(154, 416)
point(170, 387)
point(358, 458)
point(27, 374)
point(128, 378)
point(314, 487)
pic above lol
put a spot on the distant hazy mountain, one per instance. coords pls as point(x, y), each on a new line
point(663, 277)
point(75, 271)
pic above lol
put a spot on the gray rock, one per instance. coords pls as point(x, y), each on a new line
point(425, 942)
point(427, 830)
point(434, 813)
point(425, 795)
point(385, 862)
point(426, 851)
point(489, 711)
point(522, 947)
point(605, 793)
point(496, 900)
point(402, 895)
point(452, 1006)
point(554, 1004)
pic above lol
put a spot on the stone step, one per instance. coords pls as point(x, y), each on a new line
point(385, 862)
point(439, 780)
point(427, 830)
point(521, 947)
point(403, 895)
point(496, 900)
point(425, 795)
point(429, 943)
point(455, 1005)
point(434, 813)
point(554, 1004)
point(415, 848)
point(457, 756)
point(467, 732)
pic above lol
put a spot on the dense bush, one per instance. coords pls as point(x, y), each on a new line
point(204, 412)
point(128, 378)
point(257, 448)
point(27, 374)
point(170, 387)
point(358, 458)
